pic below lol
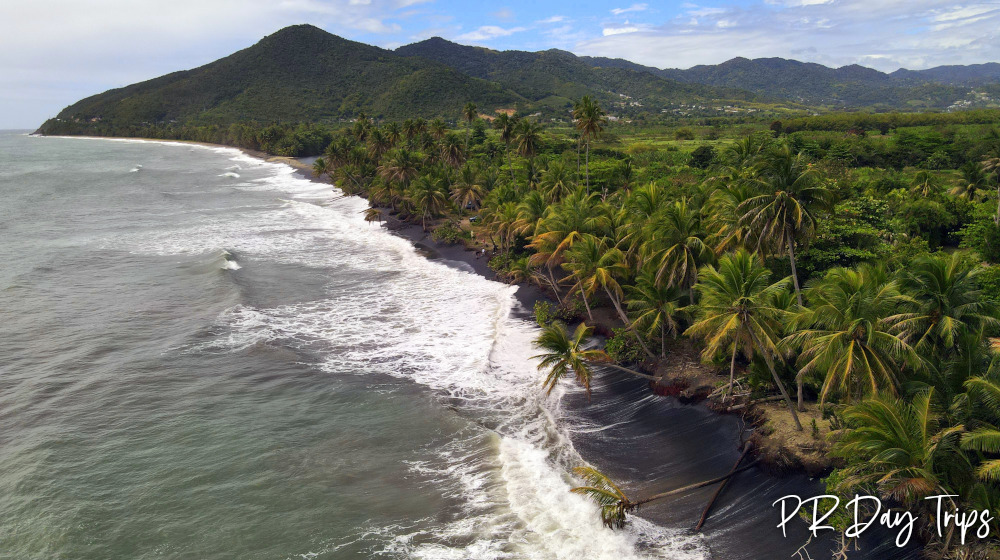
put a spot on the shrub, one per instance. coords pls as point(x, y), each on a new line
point(684, 134)
point(449, 233)
point(623, 347)
point(702, 157)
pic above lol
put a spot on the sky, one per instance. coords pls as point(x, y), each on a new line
point(55, 52)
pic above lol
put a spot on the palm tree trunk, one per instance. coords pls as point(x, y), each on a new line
point(799, 398)
point(777, 381)
point(555, 287)
point(625, 370)
point(588, 166)
point(510, 165)
point(663, 339)
point(578, 143)
point(587, 305)
point(791, 259)
point(732, 369)
point(628, 324)
point(997, 219)
point(696, 485)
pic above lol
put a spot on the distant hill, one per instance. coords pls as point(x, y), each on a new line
point(555, 78)
point(817, 85)
point(300, 73)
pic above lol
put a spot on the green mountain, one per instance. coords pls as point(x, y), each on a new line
point(555, 78)
point(300, 73)
point(813, 84)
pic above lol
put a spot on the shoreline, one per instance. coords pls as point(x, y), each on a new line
point(659, 430)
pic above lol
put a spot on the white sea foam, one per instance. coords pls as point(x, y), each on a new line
point(230, 174)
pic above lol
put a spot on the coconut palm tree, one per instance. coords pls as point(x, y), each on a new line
point(556, 181)
point(991, 166)
point(565, 354)
point(468, 189)
point(674, 244)
point(984, 391)
point(451, 150)
point(848, 334)
point(506, 125)
point(946, 303)
point(320, 167)
point(655, 308)
point(437, 128)
point(428, 195)
point(398, 169)
point(563, 226)
point(924, 184)
point(470, 113)
point(734, 314)
point(393, 133)
point(972, 183)
point(530, 210)
point(899, 448)
point(590, 121)
point(372, 215)
point(784, 211)
point(528, 138)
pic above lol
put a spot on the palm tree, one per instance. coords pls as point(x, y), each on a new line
point(372, 214)
point(507, 125)
point(451, 150)
point(924, 184)
point(898, 448)
point(428, 196)
point(984, 390)
point(674, 243)
point(735, 315)
point(437, 128)
point(470, 113)
point(784, 211)
point(378, 143)
point(398, 169)
point(320, 167)
point(590, 121)
point(848, 335)
point(946, 304)
point(565, 354)
point(655, 307)
point(972, 183)
point(556, 181)
point(528, 138)
point(468, 190)
point(530, 210)
point(393, 133)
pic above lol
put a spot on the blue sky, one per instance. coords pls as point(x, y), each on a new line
point(54, 52)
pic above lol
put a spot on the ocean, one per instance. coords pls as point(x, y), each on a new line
point(207, 356)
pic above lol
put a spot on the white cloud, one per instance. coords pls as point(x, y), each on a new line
point(553, 19)
point(488, 32)
point(503, 13)
point(632, 8)
point(607, 31)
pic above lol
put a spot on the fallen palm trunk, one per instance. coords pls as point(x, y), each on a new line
point(718, 492)
point(615, 505)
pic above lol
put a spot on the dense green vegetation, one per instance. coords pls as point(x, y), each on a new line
point(854, 266)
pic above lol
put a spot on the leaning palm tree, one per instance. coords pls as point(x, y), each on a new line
point(848, 335)
point(565, 354)
point(784, 212)
point(590, 121)
point(372, 215)
point(734, 314)
point(592, 265)
point(320, 167)
point(470, 113)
